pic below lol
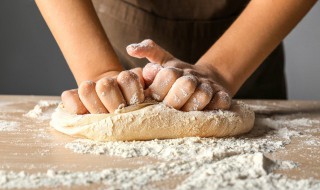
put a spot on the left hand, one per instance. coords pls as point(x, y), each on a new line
point(178, 84)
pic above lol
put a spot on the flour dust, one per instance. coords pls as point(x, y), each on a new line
point(200, 163)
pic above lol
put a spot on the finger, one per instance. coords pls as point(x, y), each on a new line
point(181, 91)
point(131, 87)
point(149, 72)
point(150, 50)
point(221, 100)
point(90, 99)
point(138, 72)
point(199, 99)
point(163, 82)
point(72, 102)
point(110, 94)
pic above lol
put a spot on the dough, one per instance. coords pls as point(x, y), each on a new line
point(154, 121)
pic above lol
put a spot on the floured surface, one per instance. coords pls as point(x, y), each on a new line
point(35, 156)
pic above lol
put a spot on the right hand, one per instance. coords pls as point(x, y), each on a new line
point(107, 94)
point(178, 84)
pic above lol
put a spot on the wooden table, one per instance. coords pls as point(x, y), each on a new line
point(36, 147)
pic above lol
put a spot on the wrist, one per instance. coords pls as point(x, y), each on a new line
point(222, 72)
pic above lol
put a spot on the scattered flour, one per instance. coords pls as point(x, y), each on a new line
point(155, 96)
point(267, 136)
point(312, 142)
point(39, 111)
point(9, 126)
point(222, 163)
point(246, 171)
point(184, 92)
point(287, 128)
point(117, 178)
point(287, 133)
point(201, 163)
point(243, 172)
point(134, 99)
point(279, 122)
point(185, 148)
point(258, 108)
point(196, 104)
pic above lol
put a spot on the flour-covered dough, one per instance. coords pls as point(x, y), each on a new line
point(154, 121)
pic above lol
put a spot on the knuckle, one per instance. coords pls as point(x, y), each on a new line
point(222, 100)
point(66, 94)
point(126, 77)
point(205, 96)
point(86, 87)
point(106, 83)
point(71, 101)
point(152, 67)
point(223, 96)
point(170, 72)
point(150, 71)
point(206, 89)
point(188, 81)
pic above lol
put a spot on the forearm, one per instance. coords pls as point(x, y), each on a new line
point(252, 37)
point(81, 38)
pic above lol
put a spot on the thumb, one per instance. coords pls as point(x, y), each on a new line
point(150, 50)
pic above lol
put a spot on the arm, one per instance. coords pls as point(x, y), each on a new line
point(252, 37)
point(93, 62)
point(231, 60)
point(81, 38)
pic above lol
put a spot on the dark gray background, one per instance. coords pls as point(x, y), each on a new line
point(31, 62)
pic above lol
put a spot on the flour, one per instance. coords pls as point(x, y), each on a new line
point(9, 126)
point(245, 171)
point(287, 128)
point(279, 122)
point(192, 148)
point(39, 111)
point(221, 163)
point(134, 99)
point(143, 44)
point(156, 96)
point(312, 142)
point(199, 163)
point(117, 178)
point(267, 136)
point(196, 104)
point(259, 108)
point(184, 92)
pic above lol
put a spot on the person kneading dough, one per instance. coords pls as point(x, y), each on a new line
point(229, 49)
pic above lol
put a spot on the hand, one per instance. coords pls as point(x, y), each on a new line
point(113, 90)
point(179, 84)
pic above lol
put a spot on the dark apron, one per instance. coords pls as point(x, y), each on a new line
point(187, 29)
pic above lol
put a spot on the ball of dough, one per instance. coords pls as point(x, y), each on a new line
point(148, 121)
